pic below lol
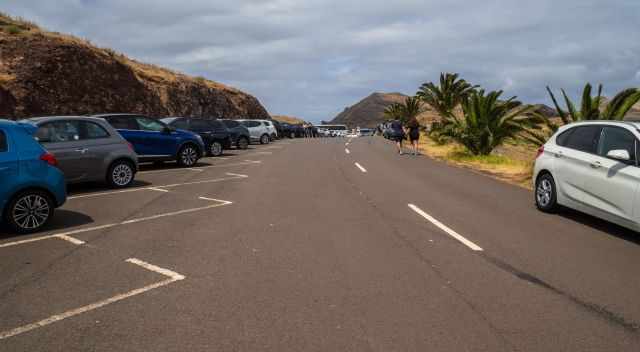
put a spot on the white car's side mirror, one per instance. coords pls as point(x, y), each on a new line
point(619, 154)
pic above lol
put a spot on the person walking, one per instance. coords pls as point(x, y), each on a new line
point(397, 134)
point(413, 129)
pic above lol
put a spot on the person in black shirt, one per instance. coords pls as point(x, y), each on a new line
point(413, 128)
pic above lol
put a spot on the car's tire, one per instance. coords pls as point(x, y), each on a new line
point(292, 135)
point(29, 211)
point(243, 143)
point(121, 174)
point(215, 149)
point(273, 137)
point(188, 155)
point(545, 194)
point(265, 139)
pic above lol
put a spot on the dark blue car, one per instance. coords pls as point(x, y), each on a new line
point(155, 141)
point(31, 186)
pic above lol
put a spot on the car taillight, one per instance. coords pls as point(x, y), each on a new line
point(49, 159)
point(131, 146)
point(540, 151)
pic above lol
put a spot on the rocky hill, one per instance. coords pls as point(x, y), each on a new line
point(368, 112)
point(45, 73)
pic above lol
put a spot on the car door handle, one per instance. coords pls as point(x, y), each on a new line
point(558, 155)
point(595, 165)
point(83, 150)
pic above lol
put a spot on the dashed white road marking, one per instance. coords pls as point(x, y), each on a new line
point(347, 151)
point(160, 188)
point(361, 168)
point(73, 240)
point(172, 277)
point(446, 229)
point(66, 235)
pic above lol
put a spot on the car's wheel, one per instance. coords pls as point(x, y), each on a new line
point(29, 211)
point(120, 174)
point(545, 194)
point(273, 137)
point(292, 135)
point(243, 143)
point(215, 149)
point(264, 139)
point(188, 155)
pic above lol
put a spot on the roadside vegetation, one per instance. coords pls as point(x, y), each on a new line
point(496, 135)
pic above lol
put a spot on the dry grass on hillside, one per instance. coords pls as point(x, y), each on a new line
point(510, 163)
point(288, 119)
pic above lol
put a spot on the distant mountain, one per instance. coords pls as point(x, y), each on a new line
point(369, 111)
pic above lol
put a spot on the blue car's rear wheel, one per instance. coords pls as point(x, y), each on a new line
point(29, 211)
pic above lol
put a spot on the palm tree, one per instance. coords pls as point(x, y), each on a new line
point(444, 98)
point(591, 108)
point(487, 122)
point(411, 108)
point(393, 111)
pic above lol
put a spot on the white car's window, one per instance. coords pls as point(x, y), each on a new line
point(616, 138)
point(584, 138)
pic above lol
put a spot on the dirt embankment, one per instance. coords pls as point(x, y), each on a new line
point(45, 73)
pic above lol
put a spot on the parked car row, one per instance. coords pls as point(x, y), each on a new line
point(40, 156)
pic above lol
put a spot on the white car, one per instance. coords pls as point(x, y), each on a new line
point(259, 132)
point(591, 167)
point(273, 131)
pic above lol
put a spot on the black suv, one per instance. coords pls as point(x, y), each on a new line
point(215, 134)
point(239, 133)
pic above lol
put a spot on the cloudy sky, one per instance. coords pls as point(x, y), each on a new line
point(312, 58)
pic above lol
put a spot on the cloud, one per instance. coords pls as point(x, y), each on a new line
point(312, 58)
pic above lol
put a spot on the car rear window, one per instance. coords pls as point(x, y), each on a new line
point(584, 138)
point(91, 130)
point(123, 122)
point(3, 142)
point(231, 123)
point(200, 125)
point(182, 124)
point(216, 125)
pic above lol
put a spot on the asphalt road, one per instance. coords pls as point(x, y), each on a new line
point(312, 245)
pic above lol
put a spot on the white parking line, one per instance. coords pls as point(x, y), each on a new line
point(245, 162)
point(62, 236)
point(446, 229)
point(159, 188)
point(172, 277)
point(347, 151)
point(361, 168)
point(274, 147)
point(194, 169)
point(65, 235)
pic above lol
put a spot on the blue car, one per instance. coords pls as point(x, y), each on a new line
point(31, 186)
point(155, 141)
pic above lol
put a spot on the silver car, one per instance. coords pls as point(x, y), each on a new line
point(88, 149)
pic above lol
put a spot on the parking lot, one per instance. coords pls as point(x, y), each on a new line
point(316, 244)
